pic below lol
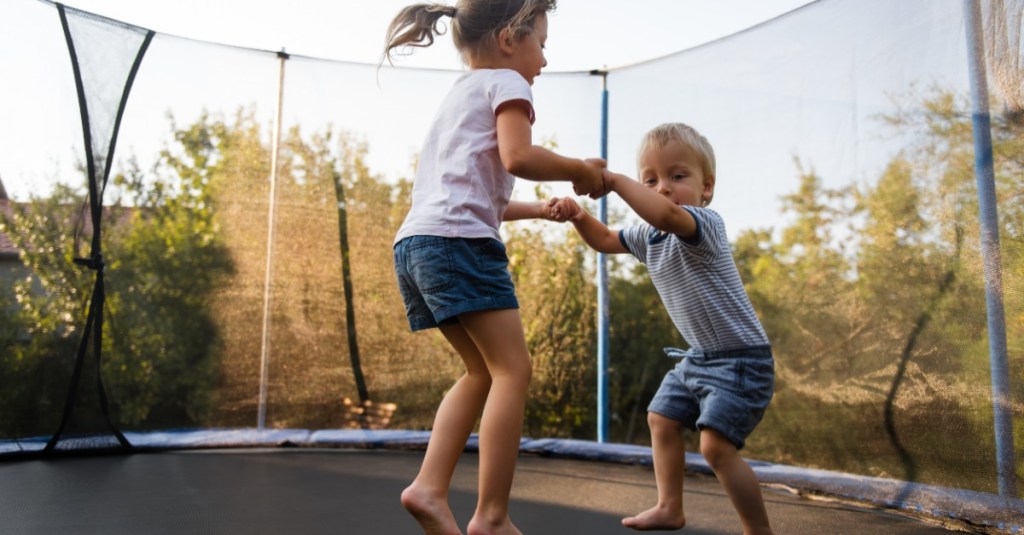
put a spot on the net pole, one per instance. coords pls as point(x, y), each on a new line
point(991, 256)
point(261, 416)
point(603, 403)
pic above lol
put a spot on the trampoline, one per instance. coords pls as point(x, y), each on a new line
point(355, 491)
point(248, 297)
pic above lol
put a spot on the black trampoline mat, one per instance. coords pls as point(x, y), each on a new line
point(332, 491)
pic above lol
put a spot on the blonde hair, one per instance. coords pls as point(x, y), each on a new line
point(663, 134)
point(475, 23)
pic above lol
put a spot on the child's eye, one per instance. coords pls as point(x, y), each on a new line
point(679, 176)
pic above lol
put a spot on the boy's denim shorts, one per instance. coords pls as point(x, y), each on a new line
point(441, 278)
point(727, 391)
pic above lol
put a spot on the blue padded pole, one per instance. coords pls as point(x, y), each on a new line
point(603, 404)
point(989, 219)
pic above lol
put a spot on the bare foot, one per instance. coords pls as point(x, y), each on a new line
point(656, 518)
point(480, 527)
point(431, 512)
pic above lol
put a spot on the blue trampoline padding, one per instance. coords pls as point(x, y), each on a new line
point(978, 508)
point(368, 438)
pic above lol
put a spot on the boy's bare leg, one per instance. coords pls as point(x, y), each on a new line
point(427, 497)
point(738, 479)
point(669, 452)
point(499, 336)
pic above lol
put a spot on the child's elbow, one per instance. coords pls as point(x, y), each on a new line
point(517, 160)
point(516, 164)
point(673, 223)
point(658, 220)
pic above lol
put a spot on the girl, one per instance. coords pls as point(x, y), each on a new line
point(451, 264)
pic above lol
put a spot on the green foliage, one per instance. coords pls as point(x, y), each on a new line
point(40, 332)
point(873, 298)
point(162, 258)
point(165, 259)
point(639, 330)
point(558, 310)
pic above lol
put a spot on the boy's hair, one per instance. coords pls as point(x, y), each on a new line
point(662, 134)
point(475, 23)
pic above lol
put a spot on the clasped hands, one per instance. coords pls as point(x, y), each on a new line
point(593, 183)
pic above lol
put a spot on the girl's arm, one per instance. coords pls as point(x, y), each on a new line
point(524, 159)
point(654, 208)
point(599, 237)
point(517, 210)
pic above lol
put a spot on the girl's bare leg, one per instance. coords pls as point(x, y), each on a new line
point(669, 453)
point(427, 497)
point(738, 479)
point(498, 334)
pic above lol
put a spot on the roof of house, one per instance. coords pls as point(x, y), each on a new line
point(7, 249)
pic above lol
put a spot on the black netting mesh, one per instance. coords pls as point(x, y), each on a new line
point(846, 173)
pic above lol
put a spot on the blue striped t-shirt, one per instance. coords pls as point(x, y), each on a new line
point(698, 282)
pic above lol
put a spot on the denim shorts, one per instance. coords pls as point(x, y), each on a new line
point(440, 278)
point(727, 391)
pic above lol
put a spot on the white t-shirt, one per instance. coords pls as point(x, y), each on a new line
point(461, 188)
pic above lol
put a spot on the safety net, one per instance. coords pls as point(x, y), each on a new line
point(229, 266)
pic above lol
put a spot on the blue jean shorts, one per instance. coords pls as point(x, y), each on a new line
point(727, 391)
point(440, 278)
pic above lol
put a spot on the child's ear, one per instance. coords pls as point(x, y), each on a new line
point(709, 190)
point(506, 41)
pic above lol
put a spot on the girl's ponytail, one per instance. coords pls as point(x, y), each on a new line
point(416, 25)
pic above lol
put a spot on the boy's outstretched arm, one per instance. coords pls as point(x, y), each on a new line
point(654, 208)
point(594, 233)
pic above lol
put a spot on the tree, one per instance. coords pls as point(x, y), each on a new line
point(40, 332)
point(163, 257)
point(639, 330)
point(873, 298)
point(557, 300)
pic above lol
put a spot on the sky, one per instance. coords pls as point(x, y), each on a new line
point(768, 81)
point(583, 34)
point(780, 87)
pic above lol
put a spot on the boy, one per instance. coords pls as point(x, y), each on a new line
point(725, 380)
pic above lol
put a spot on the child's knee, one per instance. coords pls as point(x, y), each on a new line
point(512, 368)
point(660, 424)
point(525, 370)
point(480, 377)
point(716, 448)
point(521, 372)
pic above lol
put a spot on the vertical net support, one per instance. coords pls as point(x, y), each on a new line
point(603, 403)
point(346, 278)
point(987, 211)
point(105, 57)
point(261, 416)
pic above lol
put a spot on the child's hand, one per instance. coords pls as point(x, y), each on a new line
point(564, 209)
point(592, 181)
point(610, 177)
point(551, 211)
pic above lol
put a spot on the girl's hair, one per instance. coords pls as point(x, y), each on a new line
point(475, 23)
point(661, 135)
